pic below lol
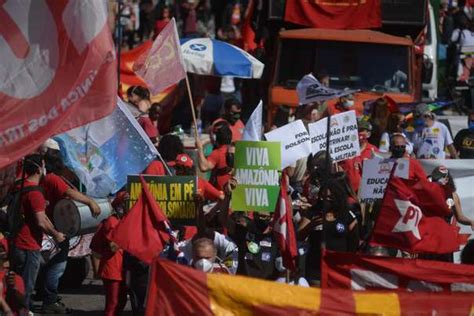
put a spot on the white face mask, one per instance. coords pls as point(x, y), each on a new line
point(443, 181)
point(204, 265)
point(348, 103)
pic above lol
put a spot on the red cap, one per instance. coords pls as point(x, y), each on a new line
point(182, 160)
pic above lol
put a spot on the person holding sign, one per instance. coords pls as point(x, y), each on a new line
point(344, 104)
point(353, 167)
point(169, 147)
point(220, 161)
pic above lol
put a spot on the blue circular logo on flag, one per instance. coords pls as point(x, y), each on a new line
point(198, 47)
point(340, 228)
point(436, 150)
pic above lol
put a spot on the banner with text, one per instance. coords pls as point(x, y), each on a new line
point(295, 142)
point(175, 194)
point(375, 175)
point(343, 137)
point(257, 166)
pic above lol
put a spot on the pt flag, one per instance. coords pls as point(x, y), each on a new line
point(412, 218)
point(58, 71)
point(357, 272)
point(144, 230)
point(283, 228)
point(179, 290)
point(335, 14)
point(163, 66)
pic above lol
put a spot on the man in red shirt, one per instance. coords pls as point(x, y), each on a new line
point(353, 167)
point(170, 147)
point(27, 242)
point(344, 104)
point(55, 189)
point(218, 160)
point(232, 110)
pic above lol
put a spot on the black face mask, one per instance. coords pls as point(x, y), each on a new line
point(398, 151)
point(232, 118)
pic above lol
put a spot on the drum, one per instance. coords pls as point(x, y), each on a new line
point(73, 218)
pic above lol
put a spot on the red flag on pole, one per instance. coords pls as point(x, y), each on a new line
point(283, 227)
point(58, 71)
point(143, 231)
point(163, 66)
point(335, 14)
point(412, 218)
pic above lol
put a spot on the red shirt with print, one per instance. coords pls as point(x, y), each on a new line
point(30, 235)
point(54, 190)
point(217, 158)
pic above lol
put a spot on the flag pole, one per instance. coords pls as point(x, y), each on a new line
point(192, 106)
point(119, 40)
point(328, 174)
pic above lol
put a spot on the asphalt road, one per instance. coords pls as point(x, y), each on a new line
point(88, 300)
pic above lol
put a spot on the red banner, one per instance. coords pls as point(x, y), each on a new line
point(335, 14)
point(58, 71)
point(179, 290)
point(357, 272)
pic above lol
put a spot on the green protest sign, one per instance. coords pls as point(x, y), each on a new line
point(257, 166)
point(174, 194)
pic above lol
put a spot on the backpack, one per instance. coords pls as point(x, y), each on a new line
point(15, 219)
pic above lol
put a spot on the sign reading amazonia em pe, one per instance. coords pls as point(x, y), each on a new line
point(257, 166)
point(174, 194)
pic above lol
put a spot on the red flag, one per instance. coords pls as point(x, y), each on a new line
point(358, 272)
point(179, 290)
point(283, 227)
point(411, 218)
point(163, 66)
point(58, 71)
point(144, 229)
point(335, 14)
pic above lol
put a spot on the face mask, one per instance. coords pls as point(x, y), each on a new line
point(419, 121)
point(261, 225)
point(204, 265)
point(233, 117)
point(362, 137)
point(471, 125)
point(348, 103)
point(403, 125)
point(398, 151)
point(443, 181)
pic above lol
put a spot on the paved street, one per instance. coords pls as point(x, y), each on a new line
point(88, 300)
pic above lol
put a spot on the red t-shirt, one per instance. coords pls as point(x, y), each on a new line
point(148, 126)
point(54, 190)
point(110, 266)
point(208, 190)
point(30, 235)
point(217, 157)
point(155, 168)
point(353, 167)
point(237, 129)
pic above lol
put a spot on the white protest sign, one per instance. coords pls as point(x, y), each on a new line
point(375, 175)
point(344, 137)
point(295, 142)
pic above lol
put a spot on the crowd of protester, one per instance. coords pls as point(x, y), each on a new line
point(326, 210)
